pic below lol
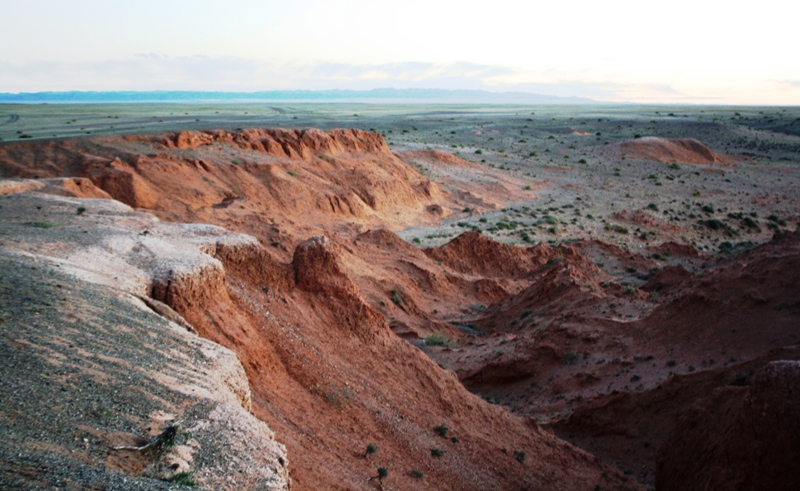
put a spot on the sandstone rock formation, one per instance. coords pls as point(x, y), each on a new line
point(278, 245)
point(324, 371)
point(742, 437)
point(667, 150)
point(88, 367)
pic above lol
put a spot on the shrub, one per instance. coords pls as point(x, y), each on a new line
point(39, 224)
point(383, 472)
point(519, 455)
point(81, 210)
point(416, 474)
point(436, 339)
point(742, 378)
point(371, 449)
point(570, 357)
point(396, 297)
point(184, 479)
point(437, 452)
point(441, 429)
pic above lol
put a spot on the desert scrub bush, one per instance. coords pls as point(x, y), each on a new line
point(338, 397)
point(497, 399)
point(102, 412)
point(519, 455)
point(383, 473)
point(436, 339)
point(749, 223)
point(775, 218)
point(395, 296)
point(183, 479)
point(416, 474)
point(742, 378)
point(40, 224)
point(441, 429)
point(371, 449)
point(437, 452)
point(81, 210)
point(570, 357)
point(718, 225)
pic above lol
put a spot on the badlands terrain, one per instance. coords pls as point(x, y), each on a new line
point(399, 297)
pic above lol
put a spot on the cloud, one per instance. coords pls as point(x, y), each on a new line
point(406, 73)
point(154, 71)
point(142, 72)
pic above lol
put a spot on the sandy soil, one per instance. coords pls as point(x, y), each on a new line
point(639, 260)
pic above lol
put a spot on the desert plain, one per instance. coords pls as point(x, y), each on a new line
point(378, 296)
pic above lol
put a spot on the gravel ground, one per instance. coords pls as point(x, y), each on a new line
point(87, 367)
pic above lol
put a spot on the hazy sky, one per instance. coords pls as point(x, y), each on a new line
point(677, 51)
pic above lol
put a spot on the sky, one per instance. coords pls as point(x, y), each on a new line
point(703, 52)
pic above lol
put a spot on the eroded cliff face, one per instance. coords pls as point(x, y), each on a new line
point(324, 176)
point(278, 245)
point(89, 367)
point(741, 437)
point(324, 370)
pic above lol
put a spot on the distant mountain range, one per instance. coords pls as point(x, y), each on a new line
point(374, 95)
